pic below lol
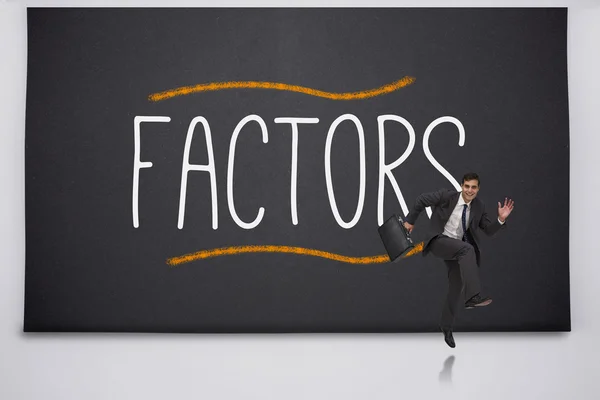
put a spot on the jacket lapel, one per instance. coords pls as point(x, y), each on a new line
point(474, 209)
point(451, 206)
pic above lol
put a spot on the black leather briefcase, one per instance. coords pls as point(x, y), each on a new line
point(395, 237)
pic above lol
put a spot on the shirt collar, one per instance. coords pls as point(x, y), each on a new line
point(461, 201)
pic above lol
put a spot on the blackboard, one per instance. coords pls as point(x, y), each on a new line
point(168, 188)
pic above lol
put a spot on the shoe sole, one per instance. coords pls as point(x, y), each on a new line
point(482, 304)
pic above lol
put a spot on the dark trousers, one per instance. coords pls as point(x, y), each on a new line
point(463, 274)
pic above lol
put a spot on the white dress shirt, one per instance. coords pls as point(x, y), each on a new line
point(454, 228)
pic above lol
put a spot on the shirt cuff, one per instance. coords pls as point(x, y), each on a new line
point(501, 223)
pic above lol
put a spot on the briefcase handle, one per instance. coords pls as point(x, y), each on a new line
point(406, 232)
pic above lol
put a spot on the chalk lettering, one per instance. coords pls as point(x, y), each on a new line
point(187, 167)
point(137, 163)
point(236, 132)
point(294, 180)
point(328, 179)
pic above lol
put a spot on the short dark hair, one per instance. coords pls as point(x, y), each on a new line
point(469, 176)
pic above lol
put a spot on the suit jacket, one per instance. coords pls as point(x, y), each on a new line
point(443, 203)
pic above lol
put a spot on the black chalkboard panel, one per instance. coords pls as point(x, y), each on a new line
point(226, 170)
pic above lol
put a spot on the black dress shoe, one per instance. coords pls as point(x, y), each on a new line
point(448, 338)
point(478, 301)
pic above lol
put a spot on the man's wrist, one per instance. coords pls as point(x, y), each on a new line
point(502, 221)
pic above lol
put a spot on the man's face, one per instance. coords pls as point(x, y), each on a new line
point(469, 190)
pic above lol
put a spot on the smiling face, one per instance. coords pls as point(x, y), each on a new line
point(470, 190)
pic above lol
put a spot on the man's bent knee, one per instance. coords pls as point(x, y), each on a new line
point(467, 248)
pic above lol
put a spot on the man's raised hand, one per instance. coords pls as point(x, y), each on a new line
point(505, 210)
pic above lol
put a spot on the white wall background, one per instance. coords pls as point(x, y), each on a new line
point(286, 367)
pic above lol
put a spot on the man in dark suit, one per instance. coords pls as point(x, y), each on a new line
point(457, 221)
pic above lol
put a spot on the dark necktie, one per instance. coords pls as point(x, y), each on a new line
point(464, 223)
